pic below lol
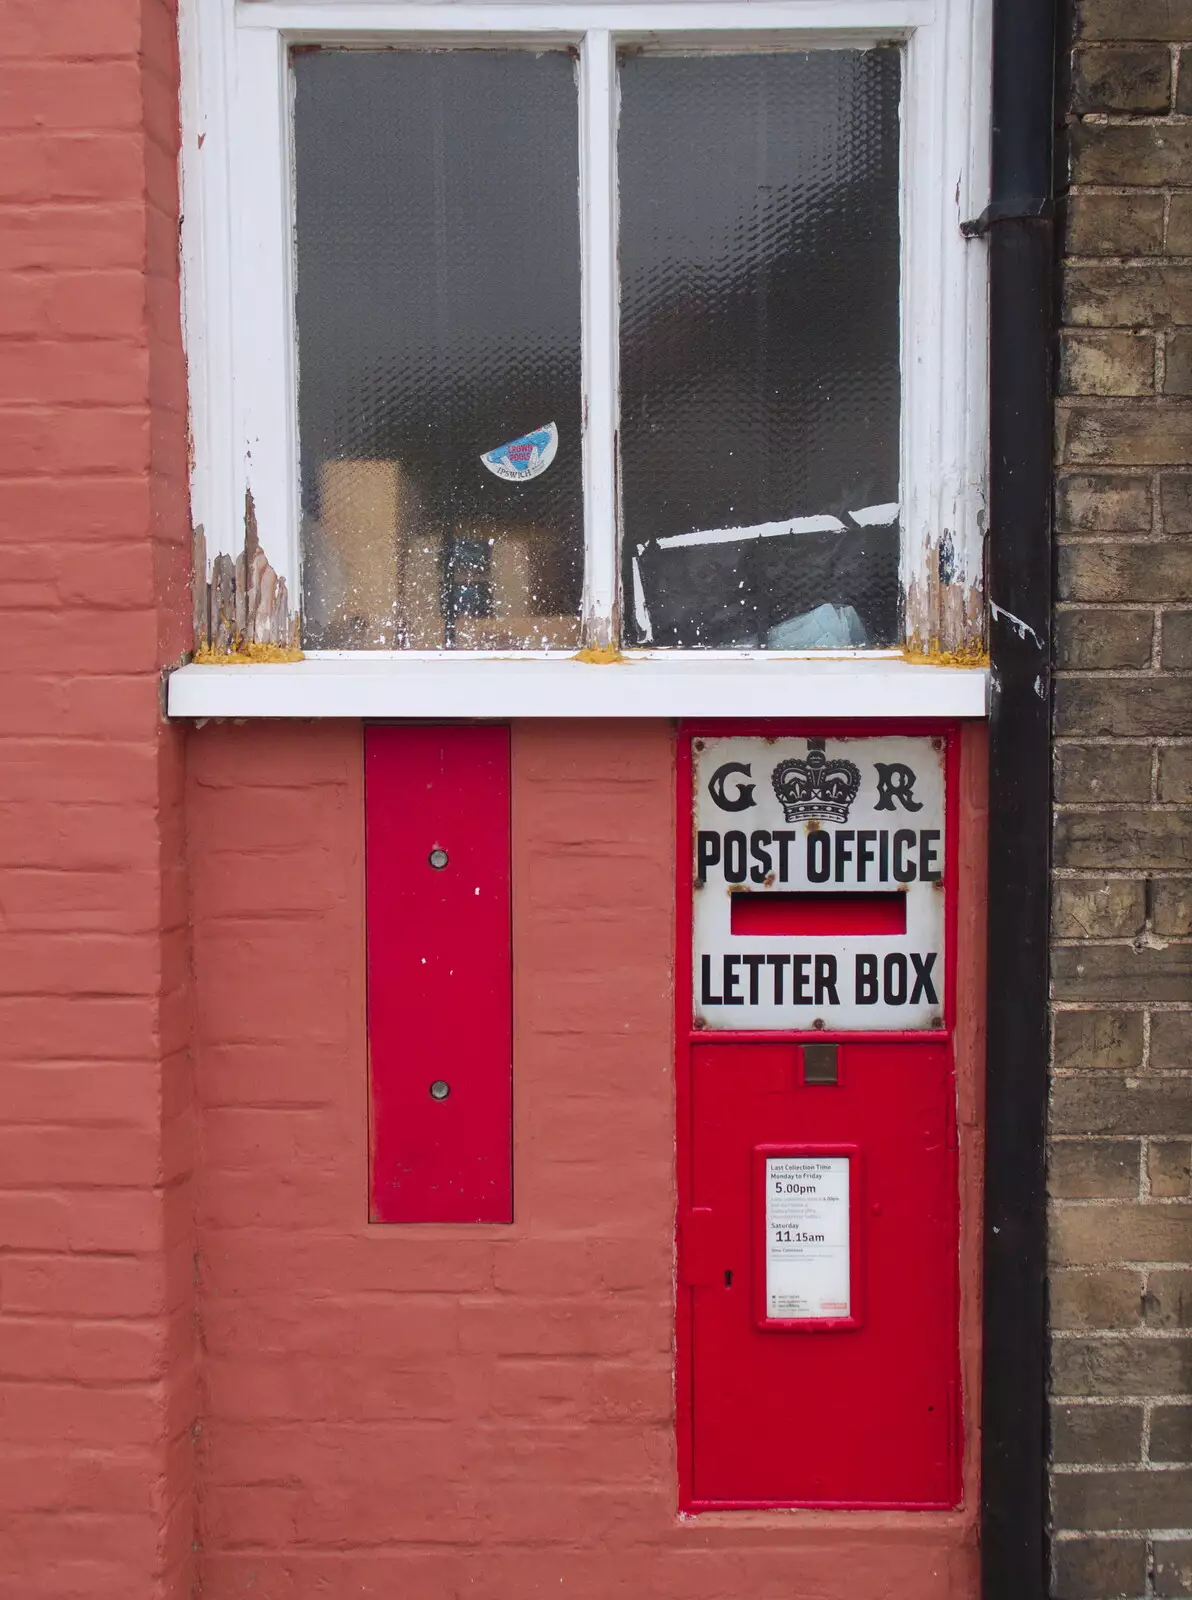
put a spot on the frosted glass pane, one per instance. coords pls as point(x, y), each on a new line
point(437, 263)
point(760, 383)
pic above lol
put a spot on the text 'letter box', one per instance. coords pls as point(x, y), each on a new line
point(818, 1211)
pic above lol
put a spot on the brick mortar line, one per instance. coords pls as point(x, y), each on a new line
point(74, 407)
point(1115, 1138)
point(1092, 189)
point(1181, 1007)
point(1132, 1204)
point(1117, 1335)
point(1175, 57)
point(1165, 230)
point(1065, 808)
point(1063, 327)
point(44, 58)
point(1066, 1535)
point(16, 1252)
point(1158, 258)
point(1132, 119)
point(115, 475)
point(1117, 875)
point(1145, 541)
point(1105, 1402)
point(88, 1385)
point(1132, 1077)
point(1142, 404)
point(1134, 1201)
point(1135, 260)
point(1108, 1402)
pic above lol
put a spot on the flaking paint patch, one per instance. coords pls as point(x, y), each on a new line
point(946, 559)
point(241, 604)
point(1020, 627)
point(945, 623)
point(199, 590)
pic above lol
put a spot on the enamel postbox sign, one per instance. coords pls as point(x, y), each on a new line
point(818, 1221)
point(819, 879)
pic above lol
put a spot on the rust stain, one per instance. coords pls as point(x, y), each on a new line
point(932, 655)
point(247, 655)
point(600, 655)
point(241, 604)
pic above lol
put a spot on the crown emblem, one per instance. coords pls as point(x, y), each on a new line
point(816, 787)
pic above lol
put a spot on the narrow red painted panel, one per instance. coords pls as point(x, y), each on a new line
point(439, 972)
point(812, 914)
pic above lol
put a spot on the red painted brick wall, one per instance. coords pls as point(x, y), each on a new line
point(96, 1390)
point(215, 1375)
point(478, 1411)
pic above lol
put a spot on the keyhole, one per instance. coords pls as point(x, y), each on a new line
point(728, 1279)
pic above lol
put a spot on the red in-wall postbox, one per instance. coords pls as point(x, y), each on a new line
point(818, 1204)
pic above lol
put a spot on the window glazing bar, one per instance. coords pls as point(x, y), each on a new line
point(598, 121)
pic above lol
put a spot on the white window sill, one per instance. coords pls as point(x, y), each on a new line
point(406, 685)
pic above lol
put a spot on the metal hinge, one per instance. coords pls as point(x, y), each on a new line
point(699, 1248)
point(1016, 209)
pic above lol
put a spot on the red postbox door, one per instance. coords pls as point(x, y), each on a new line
point(859, 1408)
point(819, 1211)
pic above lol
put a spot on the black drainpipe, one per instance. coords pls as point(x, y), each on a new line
point(1020, 229)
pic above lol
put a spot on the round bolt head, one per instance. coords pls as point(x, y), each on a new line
point(438, 859)
point(439, 1090)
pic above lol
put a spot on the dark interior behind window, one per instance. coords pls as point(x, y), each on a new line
point(760, 373)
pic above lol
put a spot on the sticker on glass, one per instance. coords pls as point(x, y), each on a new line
point(524, 458)
point(807, 1237)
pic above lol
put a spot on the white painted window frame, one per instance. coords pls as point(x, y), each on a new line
point(238, 297)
